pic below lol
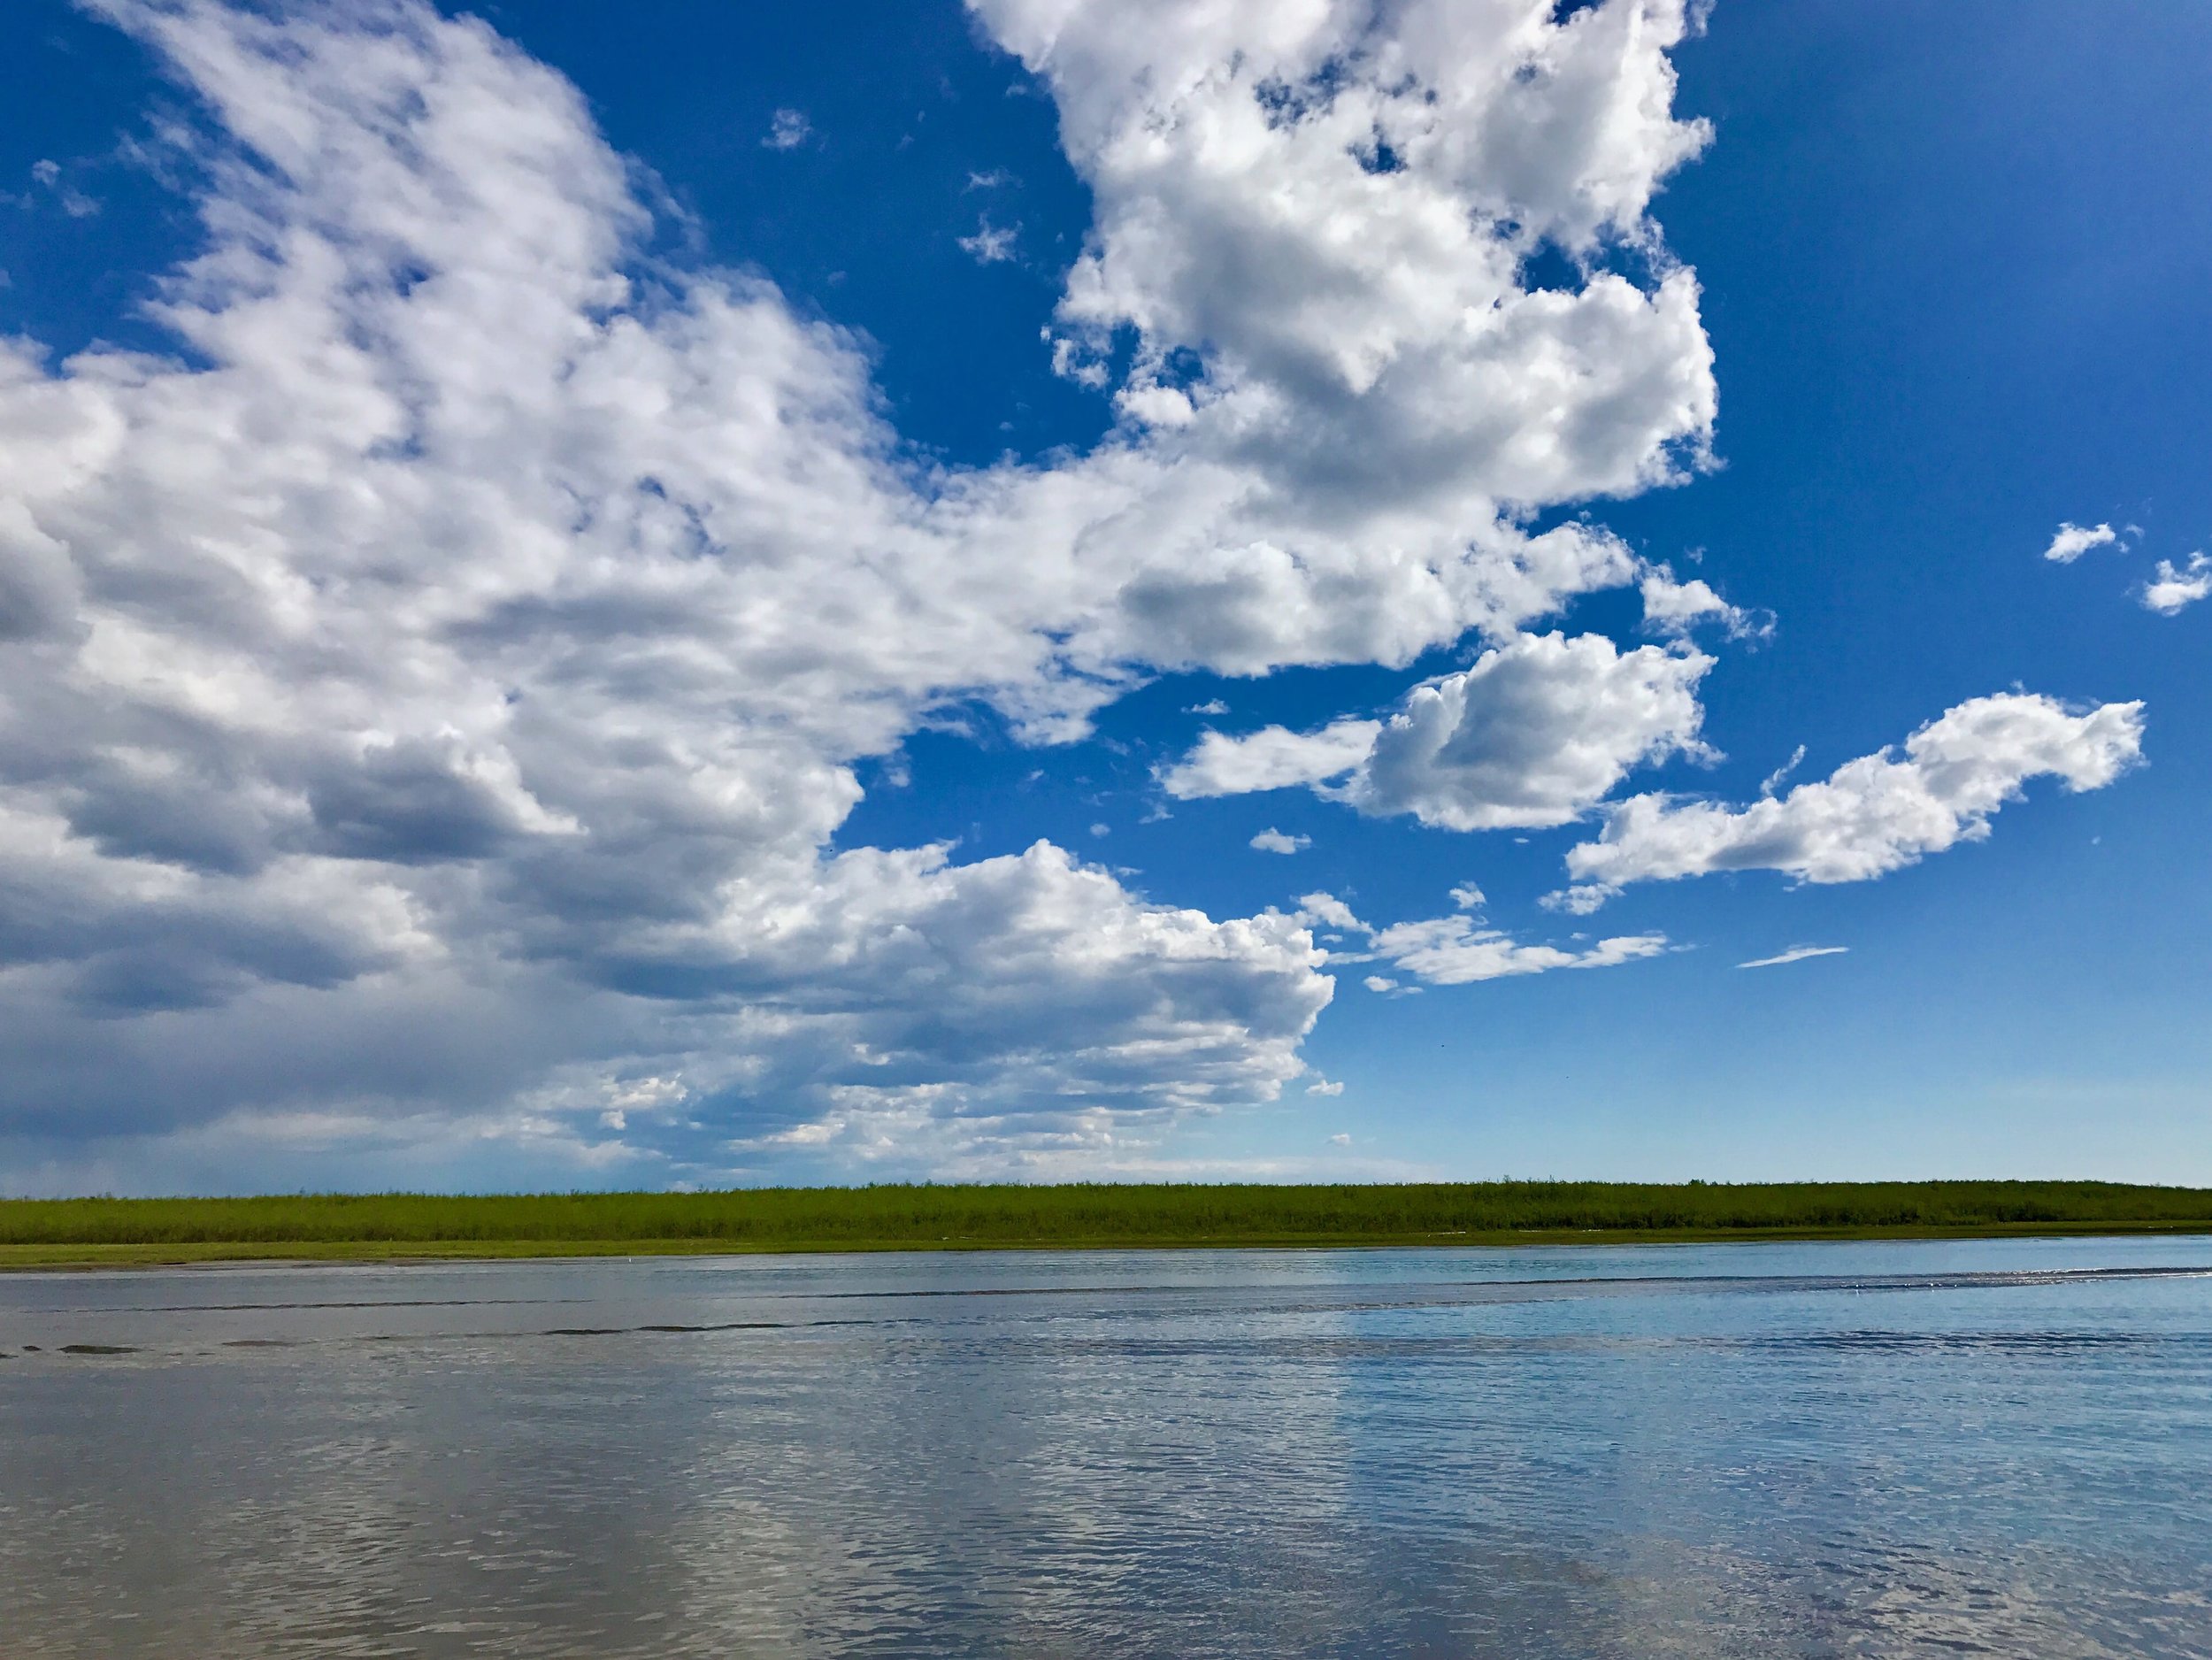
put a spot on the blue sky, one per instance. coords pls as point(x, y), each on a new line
point(485, 678)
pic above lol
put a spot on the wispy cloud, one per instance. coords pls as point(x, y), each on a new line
point(992, 244)
point(1795, 954)
point(788, 130)
point(1273, 840)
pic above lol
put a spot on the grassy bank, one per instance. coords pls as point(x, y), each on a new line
point(41, 1232)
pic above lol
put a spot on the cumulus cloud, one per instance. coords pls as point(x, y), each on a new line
point(1273, 840)
point(430, 699)
point(2072, 540)
point(1331, 211)
point(1795, 954)
point(1339, 204)
point(1879, 812)
point(1534, 734)
point(1675, 608)
point(1273, 757)
point(2174, 588)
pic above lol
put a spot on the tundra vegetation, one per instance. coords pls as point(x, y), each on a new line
point(43, 1233)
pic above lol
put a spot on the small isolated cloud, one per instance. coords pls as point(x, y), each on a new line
point(1467, 897)
point(992, 244)
point(1795, 954)
point(2171, 590)
point(1674, 608)
point(1102, 830)
point(996, 179)
point(1273, 840)
point(1579, 901)
point(1459, 949)
point(1340, 1141)
point(2072, 540)
point(73, 202)
point(1324, 1087)
point(788, 129)
point(1211, 706)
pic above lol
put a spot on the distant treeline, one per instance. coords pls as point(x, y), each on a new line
point(1085, 1214)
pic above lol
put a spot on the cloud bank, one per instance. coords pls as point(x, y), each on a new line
point(429, 696)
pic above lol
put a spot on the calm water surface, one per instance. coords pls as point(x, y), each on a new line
point(2000, 1448)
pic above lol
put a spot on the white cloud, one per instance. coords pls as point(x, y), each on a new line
point(73, 202)
point(1245, 203)
point(1270, 758)
point(1460, 949)
point(788, 130)
point(1378, 391)
point(1327, 910)
point(1775, 780)
point(1340, 1140)
point(1211, 706)
point(1583, 900)
point(1672, 607)
point(429, 701)
point(1323, 1086)
point(2171, 590)
point(1273, 840)
point(1467, 897)
point(1533, 734)
point(1877, 813)
point(992, 244)
point(1795, 954)
point(2072, 540)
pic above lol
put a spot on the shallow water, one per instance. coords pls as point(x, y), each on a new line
point(1758, 1449)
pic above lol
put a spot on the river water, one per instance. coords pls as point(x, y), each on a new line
point(1755, 1449)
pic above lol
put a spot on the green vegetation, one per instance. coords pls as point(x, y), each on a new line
point(87, 1232)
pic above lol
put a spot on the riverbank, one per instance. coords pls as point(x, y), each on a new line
point(117, 1233)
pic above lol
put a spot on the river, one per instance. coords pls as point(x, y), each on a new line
point(1999, 1446)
